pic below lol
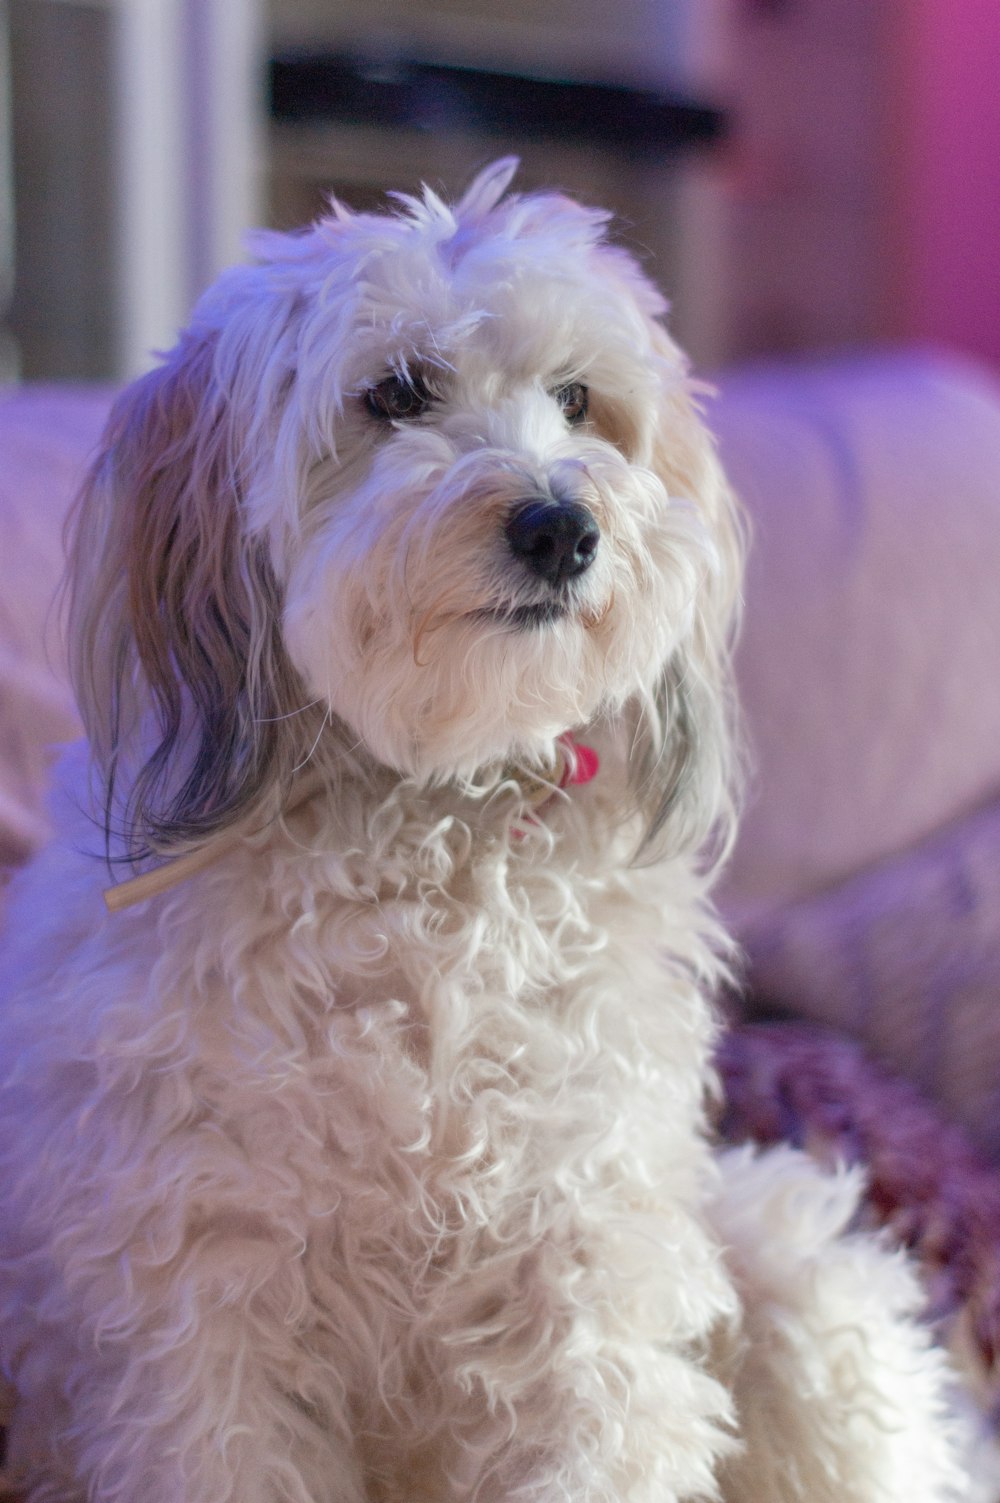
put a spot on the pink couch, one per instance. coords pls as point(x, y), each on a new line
point(866, 884)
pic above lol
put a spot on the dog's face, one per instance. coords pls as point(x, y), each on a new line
point(485, 557)
point(432, 480)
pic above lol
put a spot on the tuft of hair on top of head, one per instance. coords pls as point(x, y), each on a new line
point(481, 197)
point(487, 188)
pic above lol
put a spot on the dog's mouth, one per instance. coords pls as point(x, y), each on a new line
point(525, 617)
point(511, 618)
point(537, 615)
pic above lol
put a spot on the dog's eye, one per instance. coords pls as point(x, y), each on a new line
point(573, 399)
point(398, 398)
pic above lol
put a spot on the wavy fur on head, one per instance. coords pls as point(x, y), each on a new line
point(366, 1163)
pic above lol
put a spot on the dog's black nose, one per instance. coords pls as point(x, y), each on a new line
point(556, 539)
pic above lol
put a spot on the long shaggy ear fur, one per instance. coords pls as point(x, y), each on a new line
point(173, 614)
point(684, 760)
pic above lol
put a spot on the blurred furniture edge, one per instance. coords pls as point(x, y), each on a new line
point(865, 887)
point(413, 93)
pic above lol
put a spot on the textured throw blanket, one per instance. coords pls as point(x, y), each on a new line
point(799, 1084)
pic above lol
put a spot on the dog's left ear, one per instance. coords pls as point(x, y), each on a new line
point(685, 763)
point(174, 610)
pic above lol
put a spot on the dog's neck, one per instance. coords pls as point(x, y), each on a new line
point(574, 764)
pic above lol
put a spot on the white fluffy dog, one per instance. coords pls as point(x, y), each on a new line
point(359, 1154)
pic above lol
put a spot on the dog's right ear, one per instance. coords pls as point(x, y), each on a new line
point(685, 761)
point(174, 611)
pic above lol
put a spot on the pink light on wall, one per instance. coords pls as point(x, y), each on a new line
point(948, 133)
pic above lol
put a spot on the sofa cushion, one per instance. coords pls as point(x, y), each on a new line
point(905, 958)
point(868, 665)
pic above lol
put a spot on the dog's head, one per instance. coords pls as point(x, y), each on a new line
point(424, 489)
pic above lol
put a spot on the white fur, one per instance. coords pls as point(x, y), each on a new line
point(370, 1162)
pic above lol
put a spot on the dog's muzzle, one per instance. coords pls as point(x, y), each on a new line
point(557, 540)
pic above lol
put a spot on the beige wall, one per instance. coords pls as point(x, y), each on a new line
point(776, 243)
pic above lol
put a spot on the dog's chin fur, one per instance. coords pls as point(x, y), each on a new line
point(369, 1162)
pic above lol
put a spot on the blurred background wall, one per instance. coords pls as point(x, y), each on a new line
point(837, 182)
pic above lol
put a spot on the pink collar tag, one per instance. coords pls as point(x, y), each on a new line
point(576, 765)
point(581, 765)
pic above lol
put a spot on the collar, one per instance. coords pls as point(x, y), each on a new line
point(575, 764)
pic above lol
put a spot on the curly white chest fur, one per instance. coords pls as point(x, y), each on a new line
point(444, 1135)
